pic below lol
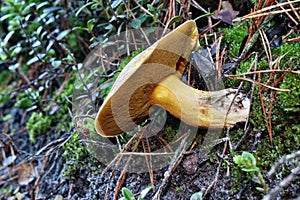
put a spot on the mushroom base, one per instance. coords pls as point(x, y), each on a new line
point(205, 109)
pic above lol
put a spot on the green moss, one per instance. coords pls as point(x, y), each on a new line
point(285, 114)
point(179, 189)
point(37, 124)
point(234, 36)
point(285, 123)
point(77, 156)
point(3, 76)
point(170, 133)
point(3, 95)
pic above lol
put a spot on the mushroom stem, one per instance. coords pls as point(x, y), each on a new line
point(200, 108)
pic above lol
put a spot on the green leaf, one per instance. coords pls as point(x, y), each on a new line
point(4, 17)
point(56, 63)
point(16, 50)
point(90, 24)
point(38, 30)
point(63, 34)
point(197, 196)
point(51, 52)
point(13, 67)
point(205, 15)
point(50, 20)
point(151, 8)
point(116, 3)
point(94, 6)
point(3, 55)
point(27, 8)
point(127, 194)
point(83, 7)
point(36, 58)
point(173, 20)
point(252, 169)
point(246, 154)
point(256, 179)
point(79, 28)
point(159, 7)
point(51, 9)
point(42, 5)
point(50, 44)
point(6, 117)
point(260, 189)
point(137, 23)
point(237, 160)
point(32, 60)
point(7, 9)
point(145, 192)
point(109, 27)
point(7, 37)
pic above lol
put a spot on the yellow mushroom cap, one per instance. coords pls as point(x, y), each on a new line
point(128, 102)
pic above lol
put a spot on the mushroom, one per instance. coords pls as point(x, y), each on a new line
point(153, 78)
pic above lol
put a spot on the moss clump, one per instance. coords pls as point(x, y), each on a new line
point(234, 36)
point(77, 156)
point(170, 133)
point(285, 112)
point(3, 76)
point(3, 95)
point(37, 124)
point(285, 124)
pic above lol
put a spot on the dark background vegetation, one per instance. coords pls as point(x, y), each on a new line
point(42, 44)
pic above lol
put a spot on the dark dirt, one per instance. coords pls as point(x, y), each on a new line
point(193, 174)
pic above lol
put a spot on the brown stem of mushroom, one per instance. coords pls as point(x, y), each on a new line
point(200, 108)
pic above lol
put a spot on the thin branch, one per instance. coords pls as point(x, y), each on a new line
point(264, 71)
point(261, 84)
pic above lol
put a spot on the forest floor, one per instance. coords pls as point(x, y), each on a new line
point(49, 157)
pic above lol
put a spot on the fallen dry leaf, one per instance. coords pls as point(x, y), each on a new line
point(19, 196)
point(27, 173)
point(59, 197)
point(226, 14)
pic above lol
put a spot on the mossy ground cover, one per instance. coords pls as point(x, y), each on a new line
point(285, 112)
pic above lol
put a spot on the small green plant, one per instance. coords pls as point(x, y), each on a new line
point(28, 99)
point(247, 163)
point(128, 195)
point(179, 189)
point(154, 10)
point(5, 192)
point(197, 196)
